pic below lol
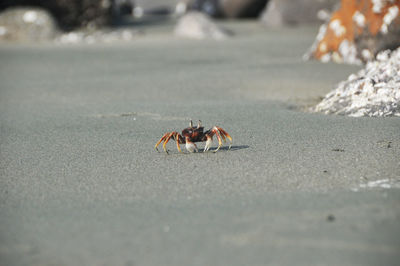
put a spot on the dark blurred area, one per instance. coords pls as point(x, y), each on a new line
point(72, 21)
point(229, 9)
point(70, 14)
point(113, 20)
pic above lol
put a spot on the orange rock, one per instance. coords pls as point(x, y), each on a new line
point(358, 31)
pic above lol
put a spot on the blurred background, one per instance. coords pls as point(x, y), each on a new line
point(351, 31)
point(54, 17)
point(88, 87)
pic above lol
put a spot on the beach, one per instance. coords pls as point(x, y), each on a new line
point(81, 183)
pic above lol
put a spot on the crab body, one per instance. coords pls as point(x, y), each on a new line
point(192, 134)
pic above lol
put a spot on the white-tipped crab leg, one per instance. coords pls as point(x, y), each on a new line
point(208, 143)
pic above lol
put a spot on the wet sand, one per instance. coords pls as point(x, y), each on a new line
point(81, 184)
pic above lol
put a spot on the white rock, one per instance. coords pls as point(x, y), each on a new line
point(27, 24)
point(196, 25)
point(337, 27)
point(30, 16)
point(377, 6)
point(373, 91)
point(359, 19)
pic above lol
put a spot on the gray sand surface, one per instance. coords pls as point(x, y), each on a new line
point(80, 183)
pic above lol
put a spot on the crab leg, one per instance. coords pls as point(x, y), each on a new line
point(222, 136)
point(163, 138)
point(167, 139)
point(219, 139)
point(225, 134)
point(208, 143)
point(177, 142)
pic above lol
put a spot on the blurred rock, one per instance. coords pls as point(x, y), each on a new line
point(358, 31)
point(229, 8)
point(373, 91)
point(196, 25)
point(98, 36)
point(284, 12)
point(27, 25)
point(71, 14)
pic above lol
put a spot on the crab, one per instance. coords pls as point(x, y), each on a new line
point(192, 134)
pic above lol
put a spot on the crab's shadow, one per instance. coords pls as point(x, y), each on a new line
point(212, 150)
point(224, 148)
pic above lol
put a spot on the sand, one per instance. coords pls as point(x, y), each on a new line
point(81, 184)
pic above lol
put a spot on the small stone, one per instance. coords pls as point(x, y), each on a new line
point(339, 150)
point(330, 218)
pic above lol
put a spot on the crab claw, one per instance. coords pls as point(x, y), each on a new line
point(190, 146)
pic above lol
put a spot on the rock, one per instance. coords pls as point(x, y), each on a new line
point(71, 14)
point(98, 36)
point(373, 91)
point(27, 25)
point(289, 12)
point(196, 25)
point(229, 8)
point(358, 31)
